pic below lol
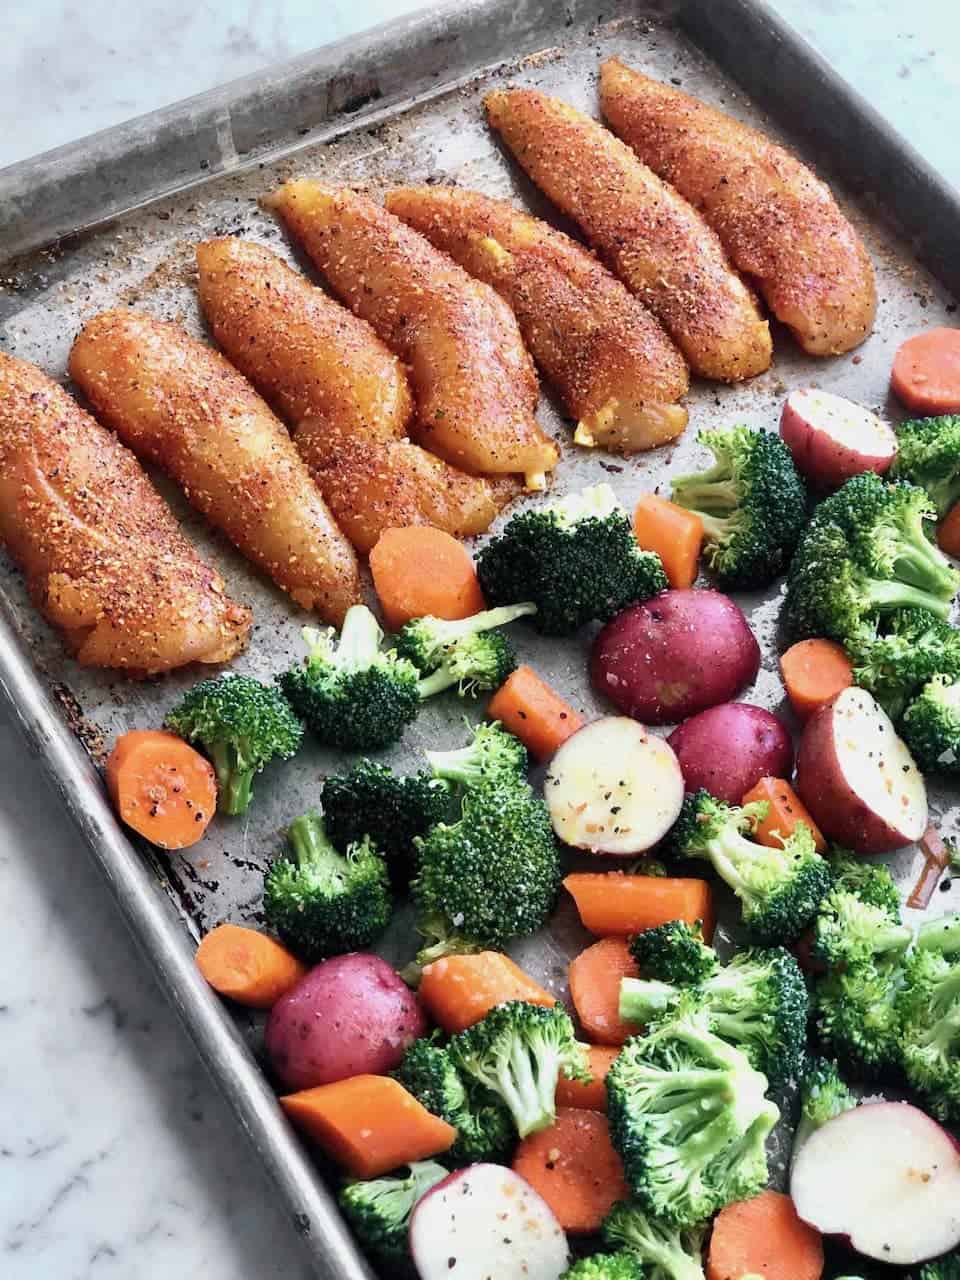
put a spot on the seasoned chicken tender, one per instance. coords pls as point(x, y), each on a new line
point(103, 556)
point(616, 370)
point(179, 404)
point(326, 371)
point(777, 220)
point(474, 383)
point(646, 232)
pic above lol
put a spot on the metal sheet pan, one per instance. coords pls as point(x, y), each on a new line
point(112, 220)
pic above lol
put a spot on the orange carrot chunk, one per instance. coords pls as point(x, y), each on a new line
point(592, 1095)
point(674, 533)
point(926, 372)
point(460, 990)
point(575, 1168)
point(161, 787)
point(614, 903)
point(948, 534)
point(534, 713)
point(764, 1237)
point(595, 990)
point(368, 1124)
point(786, 810)
point(814, 672)
point(247, 966)
point(420, 570)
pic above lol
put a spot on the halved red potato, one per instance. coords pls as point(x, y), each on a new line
point(832, 439)
point(858, 779)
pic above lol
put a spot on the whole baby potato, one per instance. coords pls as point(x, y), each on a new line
point(351, 1015)
point(674, 655)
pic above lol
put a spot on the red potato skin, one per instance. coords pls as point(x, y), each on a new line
point(675, 655)
point(824, 461)
point(351, 1015)
point(728, 749)
point(834, 807)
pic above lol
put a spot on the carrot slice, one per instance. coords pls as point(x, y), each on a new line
point(459, 990)
point(948, 534)
point(786, 810)
point(575, 1168)
point(764, 1237)
point(814, 672)
point(926, 372)
point(368, 1124)
point(592, 1095)
point(420, 570)
point(534, 712)
point(594, 977)
point(247, 966)
point(161, 787)
point(613, 903)
point(674, 533)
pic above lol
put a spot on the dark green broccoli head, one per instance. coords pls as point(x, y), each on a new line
point(576, 559)
point(752, 502)
point(322, 902)
point(928, 455)
point(871, 882)
point(929, 1007)
point(517, 1052)
point(931, 726)
point(663, 1252)
point(379, 1212)
point(430, 642)
point(895, 657)
point(242, 725)
point(857, 1020)
point(622, 1265)
point(848, 930)
point(493, 757)
point(689, 1118)
point(490, 877)
point(674, 952)
point(391, 810)
point(353, 695)
point(483, 1124)
point(779, 888)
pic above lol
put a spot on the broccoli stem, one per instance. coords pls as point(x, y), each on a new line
point(310, 843)
point(441, 679)
point(940, 935)
point(712, 491)
point(642, 999)
point(234, 778)
point(885, 595)
point(488, 620)
point(359, 639)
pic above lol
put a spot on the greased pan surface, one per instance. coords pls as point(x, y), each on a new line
point(397, 105)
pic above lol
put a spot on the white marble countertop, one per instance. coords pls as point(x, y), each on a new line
point(117, 1157)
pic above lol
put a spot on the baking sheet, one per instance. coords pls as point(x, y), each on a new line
point(144, 259)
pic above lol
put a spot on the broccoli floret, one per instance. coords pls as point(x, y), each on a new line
point(468, 653)
point(871, 882)
point(322, 902)
point(757, 1002)
point(946, 1268)
point(476, 665)
point(490, 877)
point(689, 1118)
point(674, 952)
point(372, 801)
point(823, 1095)
point(665, 1252)
point(576, 559)
point(752, 502)
point(493, 757)
point(379, 1213)
point(517, 1052)
point(483, 1124)
point(857, 1018)
point(242, 725)
point(929, 1008)
point(931, 726)
point(928, 455)
point(622, 1265)
point(353, 695)
point(779, 888)
point(848, 930)
point(895, 658)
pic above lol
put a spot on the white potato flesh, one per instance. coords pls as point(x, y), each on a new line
point(614, 788)
point(887, 1177)
point(848, 424)
point(485, 1222)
